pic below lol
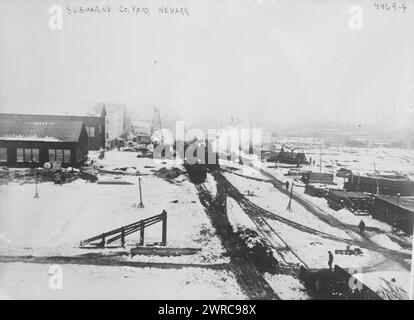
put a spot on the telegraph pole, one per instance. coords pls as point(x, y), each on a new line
point(140, 205)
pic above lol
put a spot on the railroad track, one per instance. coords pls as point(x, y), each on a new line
point(248, 277)
point(292, 260)
point(255, 210)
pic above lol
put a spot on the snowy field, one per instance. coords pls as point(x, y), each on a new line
point(55, 223)
point(365, 160)
point(359, 160)
point(31, 281)
point(311, 248)
point(64, 215)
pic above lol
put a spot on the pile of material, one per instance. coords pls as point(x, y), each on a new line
point(316, 177)
point(4, 175)
point(168, 173)
point(129, 171)
point(297, 158)
point(316, 190)
point(297, 172)
point(63, 175)
point(336, 284)
point(351, 200)
point(258, 249)
point(349, 251)
point(343, 173)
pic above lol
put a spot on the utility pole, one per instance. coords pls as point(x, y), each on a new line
point(140, 205)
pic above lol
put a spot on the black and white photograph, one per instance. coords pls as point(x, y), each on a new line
point(209, 150)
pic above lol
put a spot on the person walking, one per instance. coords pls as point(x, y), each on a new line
point(287, 185)
point(330, 259)
point(361, 228)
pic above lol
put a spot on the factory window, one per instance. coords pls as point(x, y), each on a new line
point(52, 156)
point(27, 155)
point(66, 156)
point(60, 155)
point(19, 153)
point(91, 131)
point(3, 154)
point(35, 155)
point(100, 128)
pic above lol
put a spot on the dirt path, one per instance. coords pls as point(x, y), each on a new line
point(247, 276)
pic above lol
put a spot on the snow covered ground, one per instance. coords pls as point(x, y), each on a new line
point(312, 248)
point(287, 287)
point(363, 166)
point(31, 281)
point(389, 285)
point(363, 160)
point(55, 223)
point(266, 196)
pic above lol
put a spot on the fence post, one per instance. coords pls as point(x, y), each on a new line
point(122, 237)
point(141, 238)
point(164, 228)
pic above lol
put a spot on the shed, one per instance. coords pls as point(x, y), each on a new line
point(397, 211)
point(352, 200)
point(94, 124)
point(380, 185)
point(32, 143)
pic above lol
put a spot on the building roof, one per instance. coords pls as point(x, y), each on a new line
point(22, 129)
point(406, 203)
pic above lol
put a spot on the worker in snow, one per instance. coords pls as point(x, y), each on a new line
point(361, 228)
point(330, 259)
point(287, 185)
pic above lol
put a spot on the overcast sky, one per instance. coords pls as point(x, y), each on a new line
point(268, 60)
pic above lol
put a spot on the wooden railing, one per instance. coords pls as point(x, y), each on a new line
point(122, 232)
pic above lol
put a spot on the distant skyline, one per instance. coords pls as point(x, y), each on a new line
point(275, 62)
